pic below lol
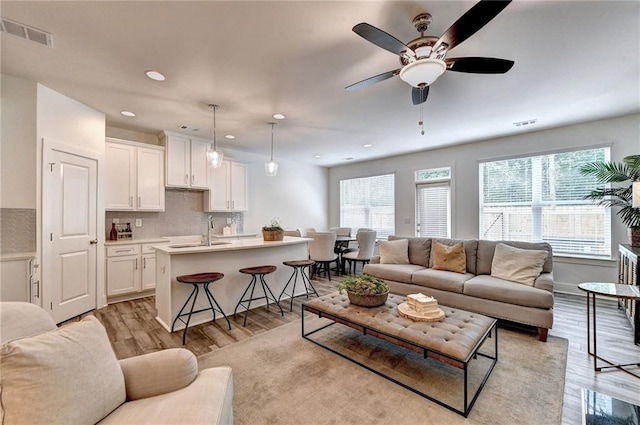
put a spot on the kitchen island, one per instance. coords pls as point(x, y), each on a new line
point(225, 257)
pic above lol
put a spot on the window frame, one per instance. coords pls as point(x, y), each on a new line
point(434, 182)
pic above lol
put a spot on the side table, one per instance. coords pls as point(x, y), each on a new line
point(611, 290)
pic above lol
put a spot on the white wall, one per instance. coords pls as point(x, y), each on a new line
point(622, 134)
point(18, 147)
point(298, 195)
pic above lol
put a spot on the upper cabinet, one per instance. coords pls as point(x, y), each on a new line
point(186, 161)
point(228, 190)
point(134, 176)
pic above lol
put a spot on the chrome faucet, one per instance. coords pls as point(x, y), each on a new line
point(210, 227)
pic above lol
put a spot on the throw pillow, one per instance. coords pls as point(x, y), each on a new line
point(394, 252)
point(450, 258)
point(516, 264)
point(66, 376)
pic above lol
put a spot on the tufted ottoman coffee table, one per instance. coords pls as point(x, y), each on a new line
point(455, 340)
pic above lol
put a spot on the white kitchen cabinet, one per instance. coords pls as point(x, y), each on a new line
point(228, 188)
point(131, 269)
point(186, 161)
point(134, 176)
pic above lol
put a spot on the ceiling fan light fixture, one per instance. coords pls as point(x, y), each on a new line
point(422, 71)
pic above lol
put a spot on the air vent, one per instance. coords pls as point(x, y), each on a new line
point(523, 123)
point(186, 127)
point(26, 32)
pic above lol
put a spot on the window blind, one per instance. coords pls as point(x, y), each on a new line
point(541, 198)
point(369, 202)
point(434, 210)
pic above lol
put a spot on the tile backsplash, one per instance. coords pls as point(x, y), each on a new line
point(17, 230)
point(183, 215)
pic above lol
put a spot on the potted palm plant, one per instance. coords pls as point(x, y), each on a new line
point(273, 232)
point(365, 290)
point(620, 196)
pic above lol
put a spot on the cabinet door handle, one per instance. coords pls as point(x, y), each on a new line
point(131, 201)
point(186, 179)
point(193, 178)
point(124, 250)
point(233, 205)
point(227, 204)
point(139, 201)
point(144, 262)
point(136, 264)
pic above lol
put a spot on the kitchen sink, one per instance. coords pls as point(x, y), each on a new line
point(194, 244)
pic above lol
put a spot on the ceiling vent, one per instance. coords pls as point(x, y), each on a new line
point(523, 123)
point(26, 32)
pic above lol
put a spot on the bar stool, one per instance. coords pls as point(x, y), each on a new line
point(255, 272)
point(199, 279)
point(298, 268)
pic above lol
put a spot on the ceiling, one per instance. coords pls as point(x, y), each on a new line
point(575, 61)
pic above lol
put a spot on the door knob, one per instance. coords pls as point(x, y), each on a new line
point(93, 242)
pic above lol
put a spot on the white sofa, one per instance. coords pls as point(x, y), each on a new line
point(70, 375)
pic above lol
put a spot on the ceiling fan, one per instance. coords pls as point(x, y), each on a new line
point(424, 59)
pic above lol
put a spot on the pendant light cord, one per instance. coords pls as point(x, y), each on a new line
point(214, 107)
point(272, 125)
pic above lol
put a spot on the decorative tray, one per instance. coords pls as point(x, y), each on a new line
point(405, 311)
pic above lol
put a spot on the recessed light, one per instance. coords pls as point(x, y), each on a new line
point(317, 156)
point(230, 136)
point(278, 116)
point(128, 113)
point(367, 145)
point(155, 75)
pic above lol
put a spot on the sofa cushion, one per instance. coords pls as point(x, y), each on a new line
point(396, 272)
point(516, 264)
point(486, 250)
point(394, 252)
point(419, 249)
point(440, 279)
point(449, 258)
point(492, 288)
point(69, 376)
point(470, 251)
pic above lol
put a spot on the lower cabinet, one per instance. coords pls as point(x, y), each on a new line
point(131, 269)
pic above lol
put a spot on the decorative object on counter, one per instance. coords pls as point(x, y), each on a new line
point(113, 235)
point(273, 232)
point(421, 308)
point(365, 290)
point(123, 231)
point(214, 155)
point(271, 167)
point(606, 172)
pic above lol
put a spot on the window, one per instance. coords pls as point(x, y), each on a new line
point(540, 198)
point(369, 202)
point(433, 201)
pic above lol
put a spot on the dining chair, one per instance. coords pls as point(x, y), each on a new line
point(321, 251)
point(366, 244)
point(304, 230)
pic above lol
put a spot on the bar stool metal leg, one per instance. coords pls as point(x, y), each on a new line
point(265, 289)
point(252, 285)
point(293, 276)
point(211, 298)
point(194, 291)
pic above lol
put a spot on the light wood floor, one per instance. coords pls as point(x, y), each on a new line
point(133, 330)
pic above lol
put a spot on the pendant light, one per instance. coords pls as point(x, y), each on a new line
point(214, 155)
point(271, 167)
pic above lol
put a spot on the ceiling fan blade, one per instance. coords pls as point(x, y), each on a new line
point(372, 80)
point(479, 65)
point(415, 95)
point(381, 39)
point(469, 23)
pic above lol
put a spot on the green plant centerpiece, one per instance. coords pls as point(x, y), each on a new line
point(273, 231)
point(365, 290)
point(622, 174)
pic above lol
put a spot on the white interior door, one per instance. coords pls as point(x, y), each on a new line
point(69, 195)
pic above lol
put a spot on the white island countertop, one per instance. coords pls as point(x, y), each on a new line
point(182, 257)
point(226, 245)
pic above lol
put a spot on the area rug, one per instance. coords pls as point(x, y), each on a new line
point(281, 378)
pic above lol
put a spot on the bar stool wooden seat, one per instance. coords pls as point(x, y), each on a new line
point(257, 272)
point(196, 280)
point(298, 268)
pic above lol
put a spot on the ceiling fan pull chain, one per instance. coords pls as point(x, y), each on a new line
point(421, 122)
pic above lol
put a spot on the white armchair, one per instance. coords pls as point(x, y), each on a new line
point(70, 375)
